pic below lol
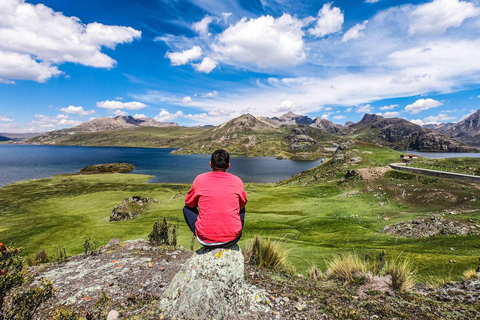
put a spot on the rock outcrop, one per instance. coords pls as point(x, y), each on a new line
point(130, 208)
point(433, 226)
point(120, 167)
point(211, 286)
point(299, 140)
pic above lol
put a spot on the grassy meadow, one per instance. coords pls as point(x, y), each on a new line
point(315, 220)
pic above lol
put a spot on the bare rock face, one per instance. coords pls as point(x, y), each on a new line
point(299, 139)
point(211, 286)
point(130, 208)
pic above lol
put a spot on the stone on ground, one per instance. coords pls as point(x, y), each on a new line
point(211, 285)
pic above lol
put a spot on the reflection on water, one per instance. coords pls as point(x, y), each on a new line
point(23, 162)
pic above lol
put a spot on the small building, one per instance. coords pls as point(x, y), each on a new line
point(407, 158)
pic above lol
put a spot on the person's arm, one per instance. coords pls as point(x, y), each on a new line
point(242, 198)
point(191, 199)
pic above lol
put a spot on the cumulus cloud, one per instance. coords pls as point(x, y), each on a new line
point(225, 16)
point(437, 16)
point(221, 112)
point(339, 117)
point(390, 107)
point(330, 20)
point(364, 109)
point(417, 121)
point(77, 110)
point(46, 122)
point(212, 94)
point(286, 106)
point(391, 114)
point(120, 113)
point(201, 27)
point(5, 119)
point(139, 116)
point(113, 104)
point(181, 58)
point(421, 105)
point(325, 116)
point(164, 115)
point(355, 31)
point(442, 117)
point(186, 100)
point(264, 42)
point(207, 65)
point(34, 39)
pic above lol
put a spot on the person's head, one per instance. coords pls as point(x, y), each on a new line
point(220, 160)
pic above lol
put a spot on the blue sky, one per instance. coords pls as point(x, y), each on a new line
point(200, 62)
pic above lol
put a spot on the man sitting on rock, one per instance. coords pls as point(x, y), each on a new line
point(220, 198)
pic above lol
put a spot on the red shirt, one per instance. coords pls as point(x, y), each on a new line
point(219, 197)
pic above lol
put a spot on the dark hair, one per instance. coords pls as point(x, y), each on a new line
point(220, 159)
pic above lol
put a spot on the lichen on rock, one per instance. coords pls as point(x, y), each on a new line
point(211, 285)
point(130, 208)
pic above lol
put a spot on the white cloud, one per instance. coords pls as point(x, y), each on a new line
point(325, 115)
point(438, 119)
point(112, 105)
point(120, 113)
point(76, 110)
point(225, 16)
point(201, 27)
point(45, 122)
point(286, 106)
point(339, 117)
point(139, 116)
point(390, 107)
point(181, 58)
point(355, 31)
point(212, 94)
point(364, 109)
point(330, 20)
point(391, 114)
point(437, 16)
point(5, 119)
point(186, 100)
point(221, 112)
point(34, 39)
point(196, 116)
point(349, 110)
point(372, 1)
point(207, 65)
point(328, 109)
point(165, 116)
point(417, 121)
point(264, 42)
point(421, 105)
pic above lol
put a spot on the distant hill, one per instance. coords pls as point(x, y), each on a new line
point(102, 124)
point(17, 136)
point(467, 130)
point(290, 136)
point(401, 134)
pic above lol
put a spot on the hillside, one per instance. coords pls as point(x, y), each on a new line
point(467, 130)
point(401, 134)
point(99, 125)
point(290, 136)
point(17, 136)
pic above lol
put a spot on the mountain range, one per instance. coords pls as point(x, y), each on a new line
point(467, 130)
point(290, 136)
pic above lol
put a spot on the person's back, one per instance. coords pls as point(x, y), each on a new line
point(220, 198)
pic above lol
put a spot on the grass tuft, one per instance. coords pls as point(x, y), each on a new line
point(314, 273)
point(347, 267)
point(268, 254)
point(470, 274)
point(403, 275)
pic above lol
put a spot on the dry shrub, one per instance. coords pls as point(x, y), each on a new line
point(314, 273)
point(347, 267)
point(470, 274)
point(402, 273)
point(268, 254)
point(40, 257)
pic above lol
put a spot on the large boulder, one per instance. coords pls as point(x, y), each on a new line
point(211, 286)
point(130, 208)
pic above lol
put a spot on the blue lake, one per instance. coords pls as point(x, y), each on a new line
point(24, 162)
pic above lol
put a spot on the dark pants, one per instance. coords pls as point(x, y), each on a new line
point(191, 215)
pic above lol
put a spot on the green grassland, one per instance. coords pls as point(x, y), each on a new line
point(316, 218)
point(459, 165)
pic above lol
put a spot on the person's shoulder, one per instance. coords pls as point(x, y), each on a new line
point(201, 177)
point(234, 177)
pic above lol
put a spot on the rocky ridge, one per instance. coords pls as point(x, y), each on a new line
point(130, 208)
point(466, 130)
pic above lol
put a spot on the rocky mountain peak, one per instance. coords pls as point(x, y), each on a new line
point(369, 118)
